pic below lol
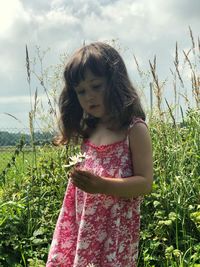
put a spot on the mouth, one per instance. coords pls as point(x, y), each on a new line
point(91, 107)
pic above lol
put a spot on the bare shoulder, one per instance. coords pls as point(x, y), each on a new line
point(139, 133)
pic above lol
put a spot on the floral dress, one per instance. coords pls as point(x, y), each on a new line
point(96, 229)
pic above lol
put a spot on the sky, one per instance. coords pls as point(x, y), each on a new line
point(56, 27)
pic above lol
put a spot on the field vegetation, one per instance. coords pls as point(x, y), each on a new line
point(33, 183)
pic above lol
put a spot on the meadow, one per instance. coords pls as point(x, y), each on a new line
point(33, 183)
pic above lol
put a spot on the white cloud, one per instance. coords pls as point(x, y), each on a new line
point(144, 27)
point(10, 12)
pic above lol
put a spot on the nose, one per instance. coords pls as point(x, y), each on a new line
point(90, 96)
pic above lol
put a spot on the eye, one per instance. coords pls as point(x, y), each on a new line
point(97, 86)
point(80, 92)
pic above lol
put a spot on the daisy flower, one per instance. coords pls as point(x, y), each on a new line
point(78, 158)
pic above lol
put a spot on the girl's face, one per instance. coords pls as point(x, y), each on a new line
point(90, 93)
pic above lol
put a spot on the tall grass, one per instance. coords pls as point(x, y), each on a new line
point(173, 208)
point(32, 187)
point(171, 238)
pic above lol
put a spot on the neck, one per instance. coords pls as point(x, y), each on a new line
point(104, 124)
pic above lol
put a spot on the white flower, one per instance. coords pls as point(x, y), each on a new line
point(83, 245)
point(121, 248)
point(111, 256)
point(78, 158)
point(90, 265)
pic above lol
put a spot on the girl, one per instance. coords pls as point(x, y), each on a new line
point(100, 218)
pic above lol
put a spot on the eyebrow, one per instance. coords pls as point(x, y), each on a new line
point(95, 79)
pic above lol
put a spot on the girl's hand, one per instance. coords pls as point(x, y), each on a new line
point(88, 181)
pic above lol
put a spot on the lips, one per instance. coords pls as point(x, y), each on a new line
point(93, 106)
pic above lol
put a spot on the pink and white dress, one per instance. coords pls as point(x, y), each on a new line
point(98, 229)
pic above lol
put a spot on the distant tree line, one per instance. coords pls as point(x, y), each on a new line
point(12, 139)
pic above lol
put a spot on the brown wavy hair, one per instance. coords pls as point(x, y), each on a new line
point(121, 99)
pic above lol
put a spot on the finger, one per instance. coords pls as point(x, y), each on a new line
point(85, 174)
point(81, 176)
point(78, 184)
point(82, 171)
point(77, 175)
point(78, 179)
point(81, 186)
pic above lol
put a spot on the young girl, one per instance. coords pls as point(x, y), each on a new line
point(99, 221)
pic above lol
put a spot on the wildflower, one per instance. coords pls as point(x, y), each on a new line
point(78, 158)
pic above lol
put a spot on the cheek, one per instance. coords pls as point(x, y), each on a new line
point(103, 99)
point(81, 101)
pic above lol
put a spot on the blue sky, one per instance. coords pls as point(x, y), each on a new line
point(140, 27)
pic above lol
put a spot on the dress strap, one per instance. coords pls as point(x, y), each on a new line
point(134, 121)
point(132, 124)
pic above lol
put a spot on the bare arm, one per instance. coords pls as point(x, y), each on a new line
point(141, 182)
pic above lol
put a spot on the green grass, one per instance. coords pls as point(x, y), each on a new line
point(32, 190)
point(30, 197)
point(32, 183)
point(170, 215)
